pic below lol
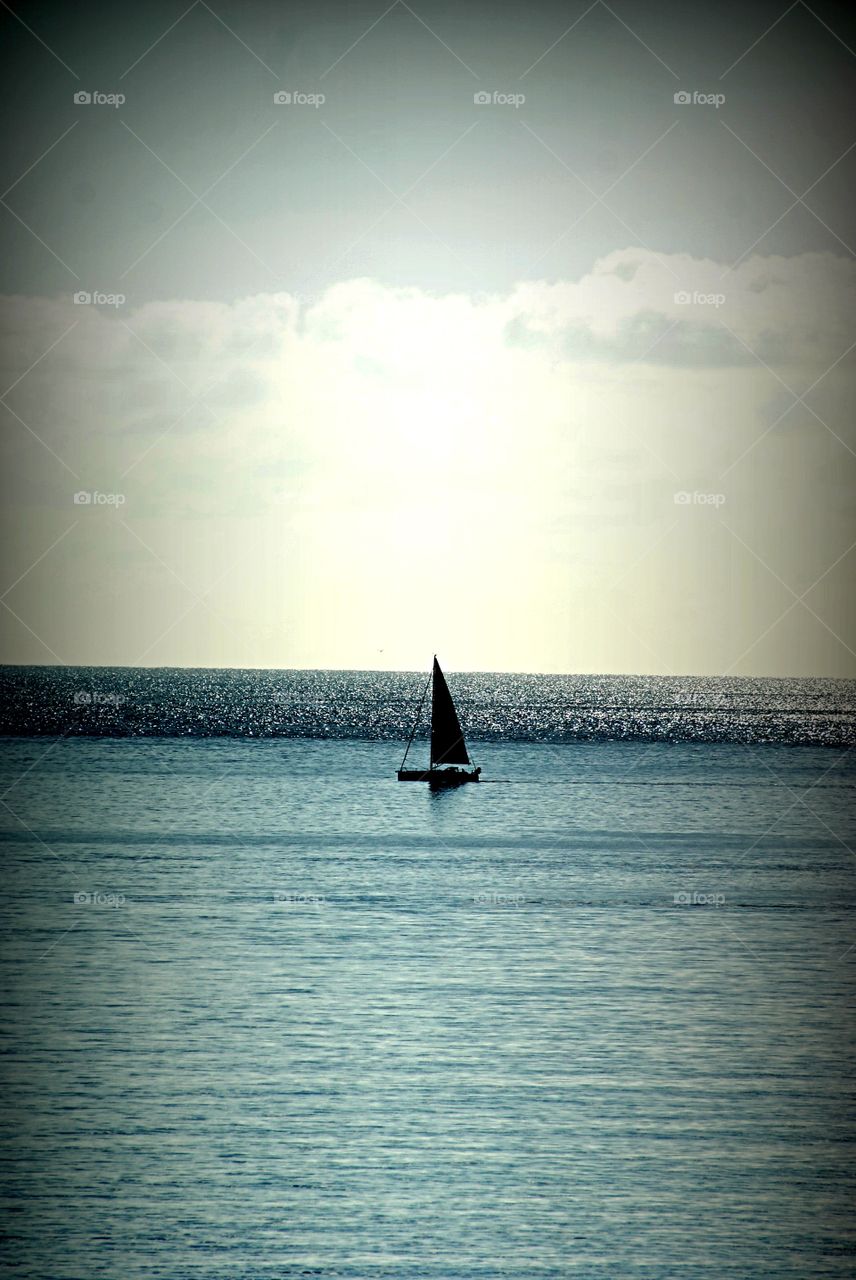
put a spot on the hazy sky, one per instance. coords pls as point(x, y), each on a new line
point(562, 381)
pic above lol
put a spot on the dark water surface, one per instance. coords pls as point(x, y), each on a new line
point(379, 705)
point(302, 1020)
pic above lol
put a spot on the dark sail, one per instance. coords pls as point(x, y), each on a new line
point(447, 739)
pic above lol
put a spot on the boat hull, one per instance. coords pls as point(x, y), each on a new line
point(438, 777)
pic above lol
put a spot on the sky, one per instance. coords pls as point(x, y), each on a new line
point(338, 336)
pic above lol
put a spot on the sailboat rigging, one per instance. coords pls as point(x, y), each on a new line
point(448, 749)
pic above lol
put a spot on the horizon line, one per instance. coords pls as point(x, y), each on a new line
point(609, 675)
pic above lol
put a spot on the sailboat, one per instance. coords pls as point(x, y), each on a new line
point(448, 749)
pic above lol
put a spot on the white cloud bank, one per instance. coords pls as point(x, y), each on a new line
point(383, 469)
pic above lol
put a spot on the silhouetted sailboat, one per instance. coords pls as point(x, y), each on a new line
point(448, 749)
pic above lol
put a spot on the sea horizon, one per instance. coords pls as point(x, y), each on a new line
point(503, 671)
point(380, 705)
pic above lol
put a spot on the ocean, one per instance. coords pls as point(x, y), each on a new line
point(268, 1013)
point(118, 702)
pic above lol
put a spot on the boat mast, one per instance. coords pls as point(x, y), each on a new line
point(418, 714)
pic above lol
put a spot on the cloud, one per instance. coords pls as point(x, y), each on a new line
point(240, 404)
point(380, 448)
point(681, 311)
point(366, 371)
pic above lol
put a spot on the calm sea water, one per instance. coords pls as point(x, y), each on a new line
point(151, 702)
point(270, 1013)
